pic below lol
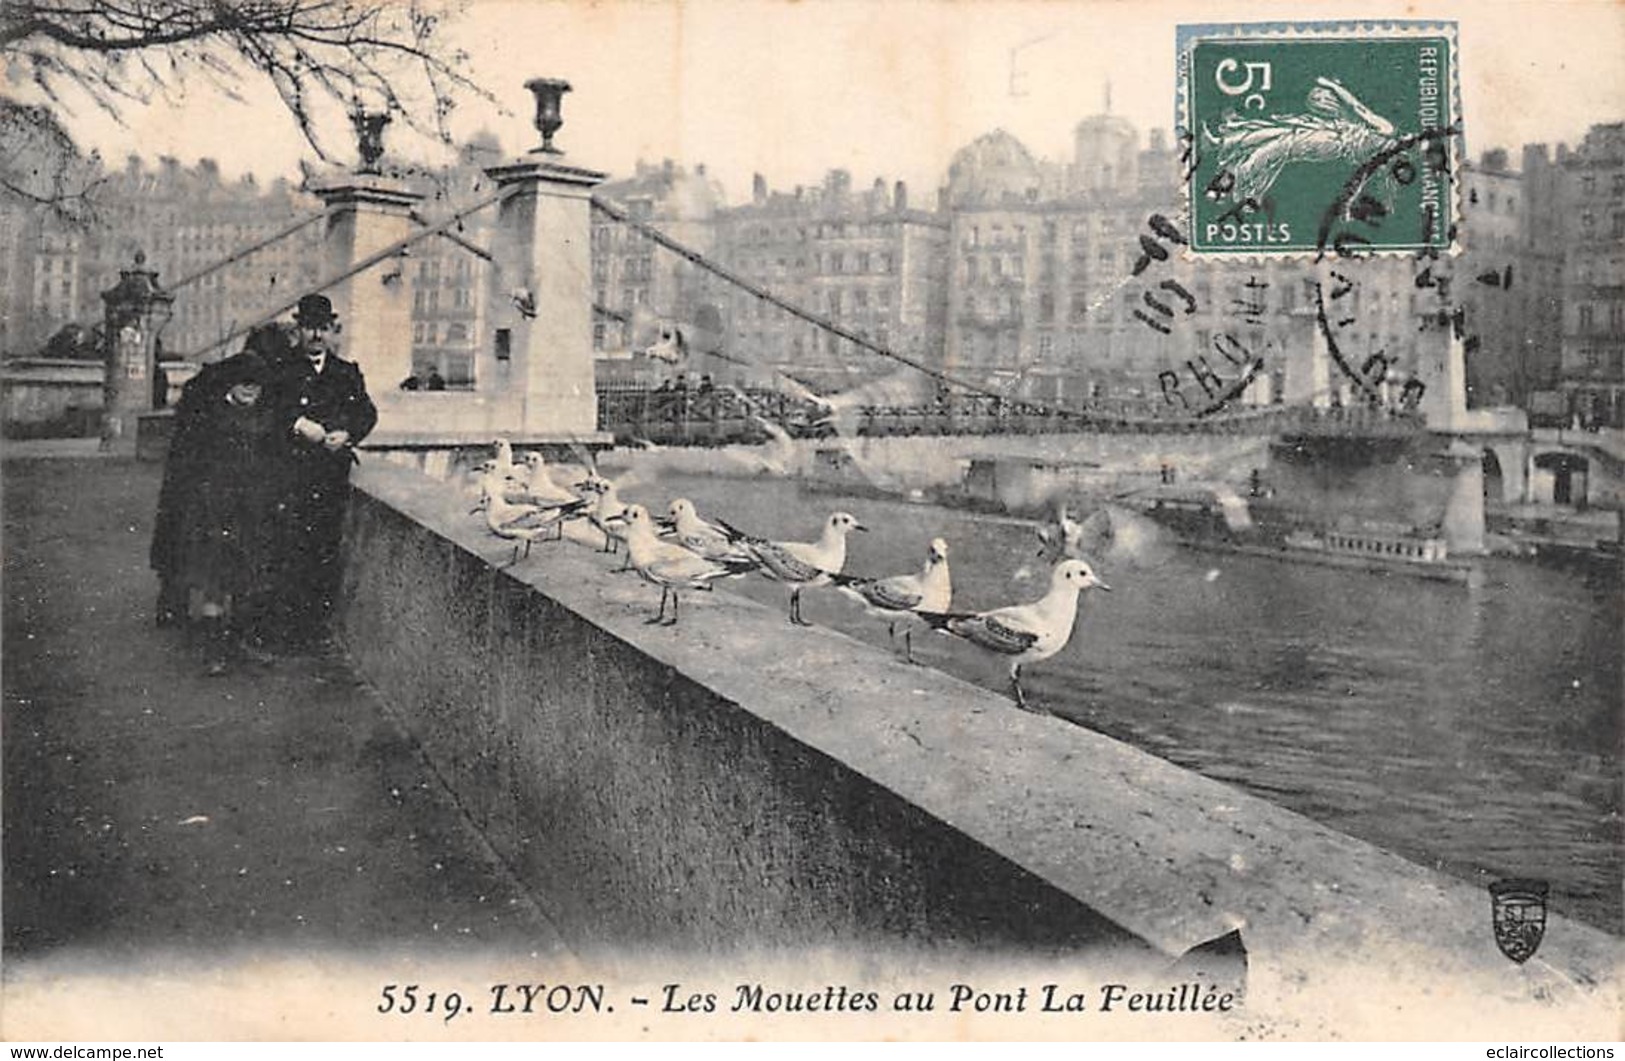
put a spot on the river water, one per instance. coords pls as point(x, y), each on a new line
point(1475, 730)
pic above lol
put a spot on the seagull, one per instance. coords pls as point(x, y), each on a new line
point(490, 481)
point(670, 566)
point(605, 509)
point(1062, 537)
point(703, 537)
point(522, 523)
point(540, 482)
point(505, 465)
point(802, 564)
point(900, 596)
point(1026, 633)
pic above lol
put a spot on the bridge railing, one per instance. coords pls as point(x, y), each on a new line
point(705, 416)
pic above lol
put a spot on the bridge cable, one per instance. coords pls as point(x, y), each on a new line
point(239, 255)
point(390, 251)
point(694, 257)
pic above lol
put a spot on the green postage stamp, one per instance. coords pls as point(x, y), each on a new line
point(1321, 138)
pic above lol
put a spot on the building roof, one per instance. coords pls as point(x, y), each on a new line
point(992, 169)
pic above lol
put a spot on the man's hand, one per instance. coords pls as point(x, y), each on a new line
point(309, 430)
point(336, 439)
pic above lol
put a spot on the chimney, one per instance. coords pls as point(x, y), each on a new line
point(1494, 161)
point(899, 197)
point(758, 189)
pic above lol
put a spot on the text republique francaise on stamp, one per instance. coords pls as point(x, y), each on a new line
point(1315, 138)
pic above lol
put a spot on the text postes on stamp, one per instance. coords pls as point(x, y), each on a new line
point(1319, 137)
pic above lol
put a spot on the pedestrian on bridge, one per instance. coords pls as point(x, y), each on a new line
point(211, 546)
point(324, 411)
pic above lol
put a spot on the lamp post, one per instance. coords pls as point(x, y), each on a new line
point(549, 93)
point(136, 311)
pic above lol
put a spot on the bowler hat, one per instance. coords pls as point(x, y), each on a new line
point(246, 367)
point(315, 310)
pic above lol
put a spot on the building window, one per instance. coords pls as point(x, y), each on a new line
point(1586, 319)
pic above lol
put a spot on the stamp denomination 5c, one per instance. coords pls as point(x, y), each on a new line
point(1319, 137)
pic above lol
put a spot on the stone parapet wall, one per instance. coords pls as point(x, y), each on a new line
point(737, 785)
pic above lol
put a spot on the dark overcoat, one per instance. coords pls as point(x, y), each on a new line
point(212, 531)
point(313, 489)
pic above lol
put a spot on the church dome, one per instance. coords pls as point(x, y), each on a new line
point(994, 168)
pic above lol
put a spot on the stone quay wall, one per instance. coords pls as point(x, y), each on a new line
point(734, 785)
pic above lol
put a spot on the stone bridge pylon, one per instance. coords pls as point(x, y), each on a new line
point(533, 367)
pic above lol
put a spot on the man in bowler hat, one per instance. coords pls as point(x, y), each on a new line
point(323, 402)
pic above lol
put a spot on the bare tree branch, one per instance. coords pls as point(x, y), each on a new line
point(119, 52)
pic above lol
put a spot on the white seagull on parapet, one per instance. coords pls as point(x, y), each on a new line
point(515, 492)
point(505, 466)
point(523, 523)
point(1026, 633)
point(701, 536)
point(670, 566)
point(539, 480)
point(605, 509)
point(490, 481)
point(902, 596)
point(802, 564)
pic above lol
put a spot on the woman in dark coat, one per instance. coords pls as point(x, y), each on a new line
point(210, 546)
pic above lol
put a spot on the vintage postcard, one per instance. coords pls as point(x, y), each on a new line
point(738, 520)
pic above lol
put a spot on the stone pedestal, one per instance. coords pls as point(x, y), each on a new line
point(367, 213)
point(1307, 376)
point(1444, 369)
point(539, 299)
point(136, 310)
point(1464, 512)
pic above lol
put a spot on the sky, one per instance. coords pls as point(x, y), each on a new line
point(882, 88)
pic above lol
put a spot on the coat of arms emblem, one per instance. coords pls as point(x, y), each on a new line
point(1519, 909)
